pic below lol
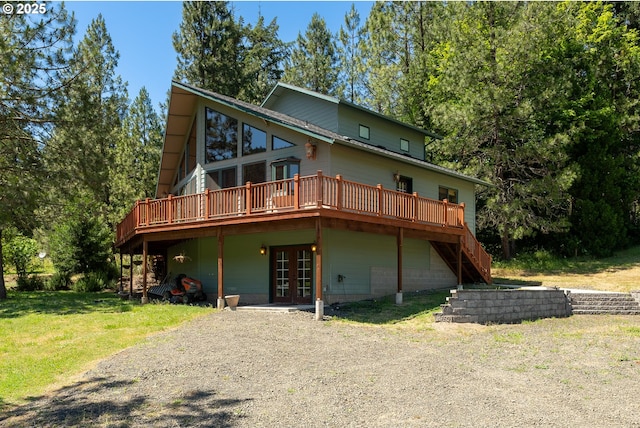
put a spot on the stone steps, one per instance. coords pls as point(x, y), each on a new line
point(603, 303)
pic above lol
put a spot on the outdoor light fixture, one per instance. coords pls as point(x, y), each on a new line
point(310, 150)
point(396, 177)
point(314, 247)
point(263, 250)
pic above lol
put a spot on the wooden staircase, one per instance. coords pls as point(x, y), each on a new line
point(475, 261)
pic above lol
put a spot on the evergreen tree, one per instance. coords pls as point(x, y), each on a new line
point(313, 61)
point(497, 96)
point(137, 156)
point(33, 56)
point(209, 47)
point(81, 152)
point(351, 67)
point(263, 58)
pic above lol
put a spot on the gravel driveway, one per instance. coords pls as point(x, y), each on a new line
point(249, 369)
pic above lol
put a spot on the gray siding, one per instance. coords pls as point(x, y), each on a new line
point(320, 112)
point(383, 132)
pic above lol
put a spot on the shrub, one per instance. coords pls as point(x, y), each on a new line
point(30, 283)
point(58, 281)
point(19, 251)
point(92, 282)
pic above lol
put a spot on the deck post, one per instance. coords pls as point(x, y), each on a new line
point(247, 198)
point(206, 204)
point(461, 214)
point(130, 274)
point(121, 271)
point(459, 251)
point(170, 209)
point(319, 302)
point(296, 191)
point(445, 204)
point(145, 253)
point(220, 301)
point(380, 200)
point(340, 191)
point(319, 190)
point(400, 243)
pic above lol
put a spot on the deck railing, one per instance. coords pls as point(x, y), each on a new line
point(299, 193)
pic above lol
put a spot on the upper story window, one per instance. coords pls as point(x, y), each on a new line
point(221, 178)
point(404, 145)
point(278, 143)
point(221, 136)
point(364, 132)
point(254, 140)
point(449, 194)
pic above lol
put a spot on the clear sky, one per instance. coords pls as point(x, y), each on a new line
point(142, 31)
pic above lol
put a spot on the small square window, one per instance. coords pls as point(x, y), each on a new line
point(404, 145)
point(450, 195)
point(364, 132)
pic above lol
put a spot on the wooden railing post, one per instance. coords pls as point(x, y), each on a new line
point(147, 211)
point(380, 201)
point(137, 214)
point(320, 190)
point(339, 192)
point(461, 214)
point(296, 192)
point(170, 209)
point(414, 202)
point(248, 198)
point(445, 203)
point(206, 204)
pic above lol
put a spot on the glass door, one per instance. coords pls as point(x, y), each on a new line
point(292, 269)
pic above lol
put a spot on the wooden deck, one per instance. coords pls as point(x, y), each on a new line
point(313, 196)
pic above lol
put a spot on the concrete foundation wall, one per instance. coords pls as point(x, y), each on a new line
point(504, 306)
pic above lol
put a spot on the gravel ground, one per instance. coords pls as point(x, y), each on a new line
point(249, 369)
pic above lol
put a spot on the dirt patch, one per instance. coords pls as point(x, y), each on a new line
point(247, 369)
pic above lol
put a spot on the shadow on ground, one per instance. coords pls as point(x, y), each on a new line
point(83, 404)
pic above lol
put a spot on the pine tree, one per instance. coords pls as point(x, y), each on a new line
point(209, 47)
point(137, 156)
point(263, 58)
point(313, 61)
point(33, 57)
point(81, 152)
point(351, 66)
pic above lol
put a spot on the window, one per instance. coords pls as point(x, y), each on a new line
point(450, 195)
point(221, 179)
point(254, 140)
point(254, 172)
point(404, 184)
point(221, 136)
point(364, 132)
point(404, 145)
point(278, 143)
point(282, 169)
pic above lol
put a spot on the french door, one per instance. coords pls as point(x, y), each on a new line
point(292, 269)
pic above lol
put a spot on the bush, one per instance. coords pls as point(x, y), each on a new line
point(59, 281)
point(92, 282)
point(30, 283)
point(19, 251)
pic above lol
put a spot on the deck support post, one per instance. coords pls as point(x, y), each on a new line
point(145, 253)
point(459, 254)
point(121, 288)
point(400, 243)
point(130, 274)
point(220, 301)
point(319, 302)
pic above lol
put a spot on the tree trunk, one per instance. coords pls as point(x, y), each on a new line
point(506, 245)
point(3, 288)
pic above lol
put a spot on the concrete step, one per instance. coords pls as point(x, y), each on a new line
point(606, 311)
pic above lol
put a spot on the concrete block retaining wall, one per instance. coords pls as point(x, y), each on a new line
point(504, 306)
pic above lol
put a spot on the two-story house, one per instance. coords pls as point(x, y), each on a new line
point(306, 198)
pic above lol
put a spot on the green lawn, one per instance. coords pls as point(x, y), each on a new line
point(47, 337)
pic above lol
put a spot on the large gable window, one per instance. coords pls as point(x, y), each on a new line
point(254, 140)
point(221, 136)
point(278, 143)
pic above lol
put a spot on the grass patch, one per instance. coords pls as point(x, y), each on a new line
point(46, 337)
point(417, 308)
point(616, 273)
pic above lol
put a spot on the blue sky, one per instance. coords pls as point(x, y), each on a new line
point(142, 30)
